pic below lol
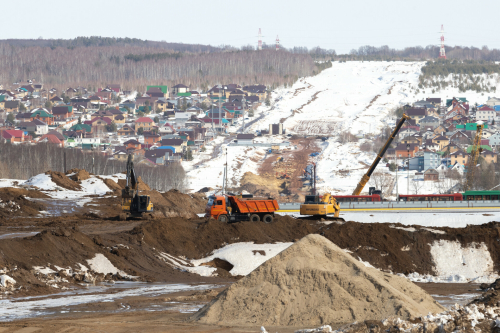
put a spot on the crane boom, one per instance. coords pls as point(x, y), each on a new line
point(381, 153)
point(474, 156)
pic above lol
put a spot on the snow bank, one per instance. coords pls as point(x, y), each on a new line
point(6, 280)
point(245, 257)
point(42, 181)
point(101, 264)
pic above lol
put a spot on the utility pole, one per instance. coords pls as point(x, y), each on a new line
point(220, 96)
point(408, 174)
point(227, 170)
point(397, 167)
point(243, 101)
point(213, 130)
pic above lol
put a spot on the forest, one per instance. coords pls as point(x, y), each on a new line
point(25, 161)
point(135, 67)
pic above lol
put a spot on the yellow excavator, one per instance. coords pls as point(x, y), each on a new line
point(314, 205)
point(133, 204)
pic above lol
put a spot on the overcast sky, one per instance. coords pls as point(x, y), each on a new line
point(340, 25)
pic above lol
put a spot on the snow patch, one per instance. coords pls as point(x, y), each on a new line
point(6, 280)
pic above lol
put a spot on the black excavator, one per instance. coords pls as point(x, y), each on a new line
point(133, 204)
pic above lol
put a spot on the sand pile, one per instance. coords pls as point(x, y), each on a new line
point(314, 282)
point(14, 202)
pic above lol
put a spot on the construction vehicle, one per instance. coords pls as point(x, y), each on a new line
point(133, 204)
point(235, 208)
point(327, 204)
point(366, 177)
point(474, 157)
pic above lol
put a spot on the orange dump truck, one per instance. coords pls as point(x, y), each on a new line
point(230, 208)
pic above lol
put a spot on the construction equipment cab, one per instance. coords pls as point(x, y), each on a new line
point(233, 208)
point(320, 206)
point(133, 204)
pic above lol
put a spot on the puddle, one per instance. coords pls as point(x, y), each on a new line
point(450, 300)
point(18, 235)
point(35, 306)
point(59, 207)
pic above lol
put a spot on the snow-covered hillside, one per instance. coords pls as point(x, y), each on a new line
point(357, 97)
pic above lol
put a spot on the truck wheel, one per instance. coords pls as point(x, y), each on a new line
point(223, 218)
point(254, 218)
point(267, 218)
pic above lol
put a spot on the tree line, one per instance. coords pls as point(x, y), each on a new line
point(25, 161)
point(132, 67)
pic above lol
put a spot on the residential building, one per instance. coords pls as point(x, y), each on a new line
point(43, 115)
point(126, 130)
point(178, 145)
point(245, 138)
point(416, 113)
point(441, 141)
point(428, 122)
point(431, 174)
point(485, 113)
point(13, 136)
point(489, 156)
point(11, 106)
point(146, 123)
point(495, 140)
point(459, 157)
point(62, 112)
point(403, 151)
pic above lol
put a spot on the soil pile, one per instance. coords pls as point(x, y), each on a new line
point(113, 186)
point(60, 179)
point(142, 185)
point(14, 202)
point(78, 174)
point(491, 294)
point(314, 282)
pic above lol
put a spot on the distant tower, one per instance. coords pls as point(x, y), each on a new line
point(277, 43)
point(442, 54)
point(260, 41)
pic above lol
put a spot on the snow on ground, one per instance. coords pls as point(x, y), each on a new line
point(6, 280)
point(245, 257)
point(101, 264)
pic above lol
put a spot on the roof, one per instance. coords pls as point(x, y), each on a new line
point(245, 136)
point(11, 104)
point(13, 134)
point(186, 94)
point(164, 89)
point(485, 108)
point(42, 113)
point(415, 112)
point(441, 137)
point(60, 110)
point(433, 100)
point(81, 127)
point(144, 120)
point(133, 142)
point(180, 85)
point(171, 142)
point(483, 147)
point(50, 138)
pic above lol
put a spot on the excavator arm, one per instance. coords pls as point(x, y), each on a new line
point(473, 158)
point(380, 154)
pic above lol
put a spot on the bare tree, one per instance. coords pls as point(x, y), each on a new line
point(416, 185)
point(381, 181)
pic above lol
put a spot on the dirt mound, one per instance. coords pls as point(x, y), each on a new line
point(314, 282)
point(142, 185)
point(78, 174)
point(60, 179)
point(113, 186)
point(14, 202)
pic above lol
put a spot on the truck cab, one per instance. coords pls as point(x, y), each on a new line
point(216, 206)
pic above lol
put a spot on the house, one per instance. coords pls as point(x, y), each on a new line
point(258, 90)
point(62, 112)
point(407, 132)
point(146, 123)
point(452, 147)
point(485, 113)
point(102, 114)
point(412, 139)
point(11, 106)
point(155, 92)
point(181, 118)
point(456, 110)
point(434, 101)
point(406, 150)
point(178, 144)
point(52, 139)
point(156, 155)
point(423, 104)
point(489, 156)
point(126, 130)
point(151, 138)
point(245, 139)
point(460, 138)
point(495, 140)
point(441, 141)
point(492, 101)
point(43, 115)
point(119, 119)
point(13, 136)
point(179, 88)
point(163, 105)
point(459, 157)
point(36, 126)
point(429, 122)
point(115, 88)
point(416, 113)
point(99, 124)
point(128, 104)
point(132, 144)
point(425, 160)
point(431, 174)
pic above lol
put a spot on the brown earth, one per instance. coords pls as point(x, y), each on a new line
point(60, 179)
point(79, 174)
point(14, 202)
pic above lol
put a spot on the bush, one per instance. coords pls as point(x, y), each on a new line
point(365, 146)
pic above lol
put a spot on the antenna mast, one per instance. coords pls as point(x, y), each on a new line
point(259, 47)
point(442, 53)
point(277, 43)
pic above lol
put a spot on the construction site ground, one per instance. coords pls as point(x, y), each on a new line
point(138, 248)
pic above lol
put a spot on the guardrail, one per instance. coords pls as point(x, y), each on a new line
point(403, 205)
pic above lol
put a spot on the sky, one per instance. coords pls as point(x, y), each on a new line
point(330, 24)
